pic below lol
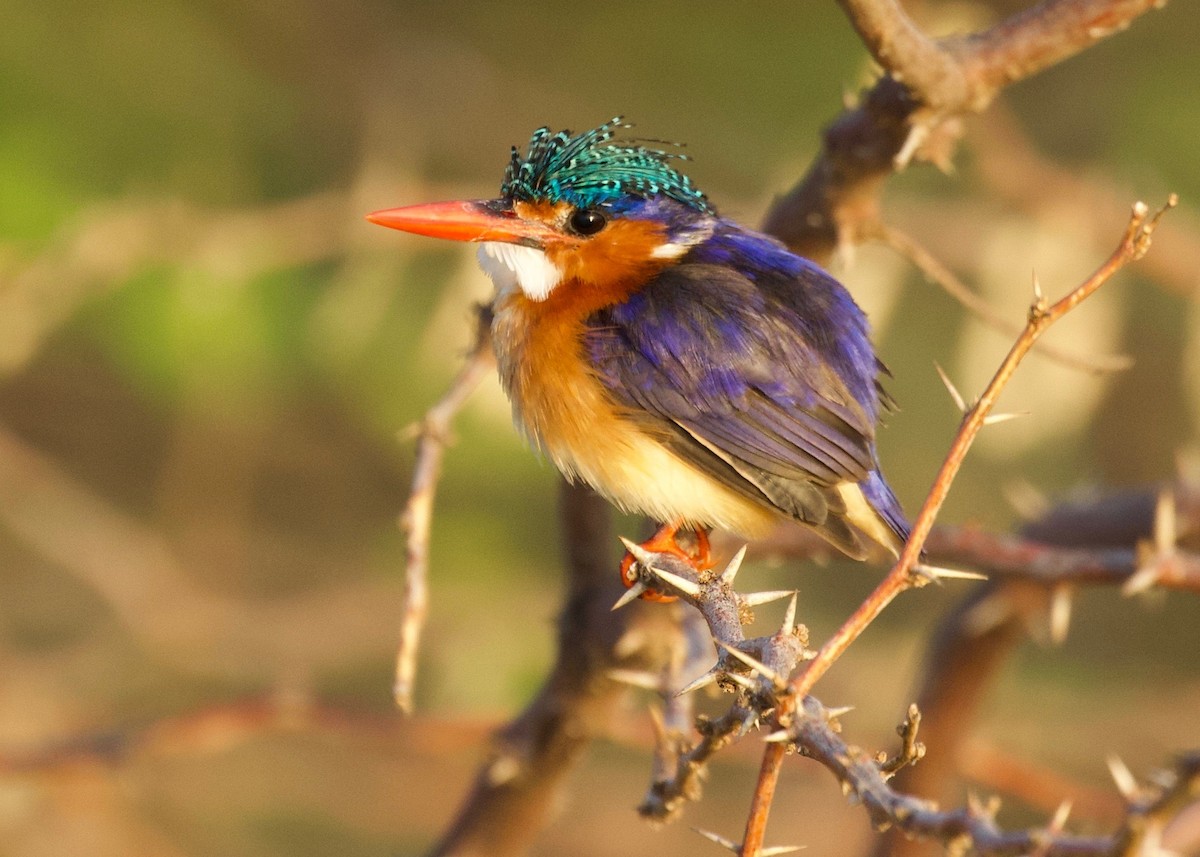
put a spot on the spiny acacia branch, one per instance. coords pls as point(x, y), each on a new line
point(905, 574)
point(864, 146)
point(973, 828)
point(912, 110)
point(775, 689)
point(1133, 245)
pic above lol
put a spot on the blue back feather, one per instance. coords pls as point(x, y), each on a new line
point(590, 169)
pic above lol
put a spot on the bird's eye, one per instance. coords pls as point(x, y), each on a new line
point(587, 221)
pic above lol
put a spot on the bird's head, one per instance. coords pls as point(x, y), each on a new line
point(576, 208)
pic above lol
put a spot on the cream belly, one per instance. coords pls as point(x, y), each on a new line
point(640, 475)
point(561, 409)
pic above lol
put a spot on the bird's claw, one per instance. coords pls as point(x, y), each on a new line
point(661, 561)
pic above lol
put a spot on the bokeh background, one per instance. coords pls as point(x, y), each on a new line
point(208, 359)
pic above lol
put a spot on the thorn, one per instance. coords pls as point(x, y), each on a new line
point(1123, 777)
point(1164, 522)
point(783, 736)
point(635, 678)
point(1060, 817)
point(734, 566)
point(916, 136)
point(639, 553)
point(834, 713)
point(1026, 500)
point(1142, 579)
point(705, 680)
point(975, 807)
point(742, 681)
point(728, 844)
point(754, 599)
point(748, 723)
point(503, 769)
point(1039, 297)
point(687, 587)
point(754, 664)
point(995, 419)
point(776, 850)
point(631, 594)
point(934, 572)
point(789, 617)
point(1060, 614)
point(954, 394)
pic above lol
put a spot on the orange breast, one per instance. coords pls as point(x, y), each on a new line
point(562, 409)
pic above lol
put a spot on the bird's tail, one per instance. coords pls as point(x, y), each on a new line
point(863, 512)
point(883, 502)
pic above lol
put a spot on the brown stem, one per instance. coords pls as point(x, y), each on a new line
point(417, 518)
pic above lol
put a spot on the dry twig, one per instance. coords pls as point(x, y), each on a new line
point(417, 518)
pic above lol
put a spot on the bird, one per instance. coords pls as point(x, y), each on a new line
point(686, 367)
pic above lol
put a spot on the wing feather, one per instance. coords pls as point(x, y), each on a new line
point(752, 379)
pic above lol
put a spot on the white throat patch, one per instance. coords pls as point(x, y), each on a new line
point(512, 266)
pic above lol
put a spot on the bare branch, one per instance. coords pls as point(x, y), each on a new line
point(417, 518)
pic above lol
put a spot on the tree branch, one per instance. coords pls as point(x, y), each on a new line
point(417, 518)
point(911, 109)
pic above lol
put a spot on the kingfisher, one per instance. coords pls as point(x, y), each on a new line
point(684, 366)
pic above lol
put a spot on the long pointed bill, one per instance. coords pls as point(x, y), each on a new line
point(465, 220)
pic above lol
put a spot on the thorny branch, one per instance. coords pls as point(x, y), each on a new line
point(914, 109)
point(417, 517)
point(771, 693)
point(973, 827)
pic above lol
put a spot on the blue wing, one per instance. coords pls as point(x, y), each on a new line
point(756, 367)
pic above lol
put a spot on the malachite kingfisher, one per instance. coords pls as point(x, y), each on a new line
point(684, 366)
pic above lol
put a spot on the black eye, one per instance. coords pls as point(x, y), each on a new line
point(587, 221)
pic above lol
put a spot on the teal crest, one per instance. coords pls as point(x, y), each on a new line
point(590, 169)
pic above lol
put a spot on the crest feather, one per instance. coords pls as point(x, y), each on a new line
point(589, 169)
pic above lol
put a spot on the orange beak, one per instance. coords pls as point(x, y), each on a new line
point(466, 220)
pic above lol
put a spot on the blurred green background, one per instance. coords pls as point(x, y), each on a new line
point(207, 359)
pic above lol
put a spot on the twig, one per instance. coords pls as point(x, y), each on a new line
point(973, 827)
point(933, 269)
point(1133, 246)
point(1015, 557)
point(417, 517)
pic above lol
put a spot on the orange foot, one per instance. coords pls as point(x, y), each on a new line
point(663, 541)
